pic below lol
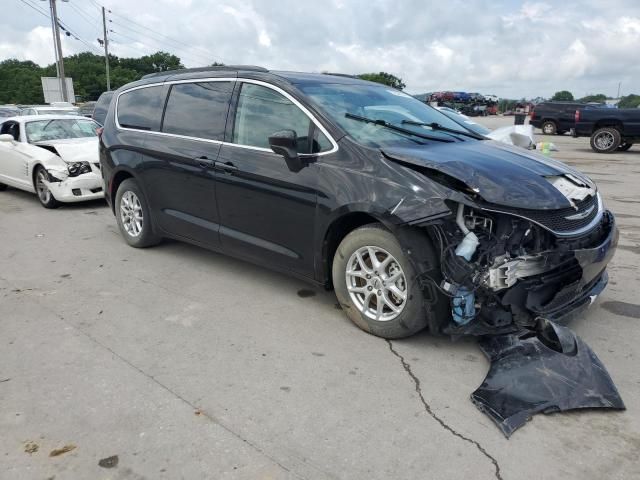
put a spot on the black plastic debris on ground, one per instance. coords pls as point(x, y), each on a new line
point(547, 370)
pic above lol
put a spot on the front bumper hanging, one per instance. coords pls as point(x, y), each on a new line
point(543, 371)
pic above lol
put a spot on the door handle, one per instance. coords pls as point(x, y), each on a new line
point(205, 162)
point(226, 166)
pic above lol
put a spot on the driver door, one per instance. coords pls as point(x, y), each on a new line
point(267, 211)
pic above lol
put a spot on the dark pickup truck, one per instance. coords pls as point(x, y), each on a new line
point(610, 129)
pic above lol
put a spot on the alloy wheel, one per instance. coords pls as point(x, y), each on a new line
point(376, 283)
point(604, 140)
point(41, 187)
point(131, 213)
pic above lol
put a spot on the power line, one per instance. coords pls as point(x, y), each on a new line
point(202, 55)
point(37, 9)
point(190, 56)
point(161, 34)
point(136, 40)
point(62, 25)
point(133, 39)
point(84, 16)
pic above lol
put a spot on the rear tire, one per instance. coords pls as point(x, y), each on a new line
point(44, 194)
point(132, 215)
point(605, 140)
point(402, 313)
point(549, 128)
point(624, 147)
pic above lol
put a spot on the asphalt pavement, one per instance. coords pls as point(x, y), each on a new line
point(175, 362)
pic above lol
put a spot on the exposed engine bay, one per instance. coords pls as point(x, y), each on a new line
point(503, 272)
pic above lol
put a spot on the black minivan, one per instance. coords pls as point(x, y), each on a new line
point(413, 219)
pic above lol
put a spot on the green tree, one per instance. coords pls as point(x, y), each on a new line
point(20, 82)
point(505, 104)
point(562, 95)
point(157, 62)
point(384, 78)
point(598, 97)
point(629, 101)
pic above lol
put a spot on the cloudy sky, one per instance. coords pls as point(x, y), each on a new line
point(509, 48)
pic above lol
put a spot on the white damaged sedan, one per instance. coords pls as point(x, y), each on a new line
point(55, 156)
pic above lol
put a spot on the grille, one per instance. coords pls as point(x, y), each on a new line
point(556, 220)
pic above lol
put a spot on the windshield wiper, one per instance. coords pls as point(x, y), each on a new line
point(390, 126)
point(437, 126)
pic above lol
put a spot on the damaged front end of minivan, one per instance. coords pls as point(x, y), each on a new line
point(515, 267)
point(517, 242)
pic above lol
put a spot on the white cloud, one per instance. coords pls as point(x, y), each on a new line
point(506, 47)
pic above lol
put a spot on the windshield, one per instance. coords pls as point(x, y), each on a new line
point(379, 103)
point(40, 130)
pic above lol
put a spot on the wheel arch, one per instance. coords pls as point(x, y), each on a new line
point(339, 228)
point(608, 122)
point(116, 180)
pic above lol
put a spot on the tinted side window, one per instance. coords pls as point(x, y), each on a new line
point(262, 111)
point(198, 109)
point(141, 109)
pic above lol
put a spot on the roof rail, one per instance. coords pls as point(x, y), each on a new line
point(340, 75)
point(252, 68)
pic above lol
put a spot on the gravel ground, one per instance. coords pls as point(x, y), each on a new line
point(175, 362)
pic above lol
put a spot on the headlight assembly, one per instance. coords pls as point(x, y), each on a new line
point(78, 168)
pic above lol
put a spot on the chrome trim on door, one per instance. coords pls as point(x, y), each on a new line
point(230, 144)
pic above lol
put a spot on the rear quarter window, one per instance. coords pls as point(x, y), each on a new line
point(141, 109)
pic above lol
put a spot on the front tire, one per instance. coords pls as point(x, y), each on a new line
point(132, 215)
point(605, 140)
point(549, 128)
point(45, 196)
point(376, 284)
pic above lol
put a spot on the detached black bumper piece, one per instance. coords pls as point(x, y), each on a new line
point(547, 370)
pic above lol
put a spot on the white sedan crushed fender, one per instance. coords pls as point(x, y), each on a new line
point(55, 157)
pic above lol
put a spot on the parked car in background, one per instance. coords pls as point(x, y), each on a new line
point(86, 109)
point(9, 111)
point(55, 156)
point(49, 110)
point(360, 187)
point(610, 129)
point(554, 118)
point(102, 106)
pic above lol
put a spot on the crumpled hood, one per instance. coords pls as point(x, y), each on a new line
point(501, 174)
point(75, 149)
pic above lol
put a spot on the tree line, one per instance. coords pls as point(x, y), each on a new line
point(626, 101)
point(20, 80)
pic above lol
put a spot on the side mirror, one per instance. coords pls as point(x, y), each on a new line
point(5, 137)
point(285, 143)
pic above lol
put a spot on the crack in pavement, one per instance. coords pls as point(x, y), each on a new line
point(443, 424)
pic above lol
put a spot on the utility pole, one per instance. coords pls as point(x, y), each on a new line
point(106, 48)
point(58, 48)
point(619, 84)
point(55, 45)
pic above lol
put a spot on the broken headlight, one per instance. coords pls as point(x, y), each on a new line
point(78, 168)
